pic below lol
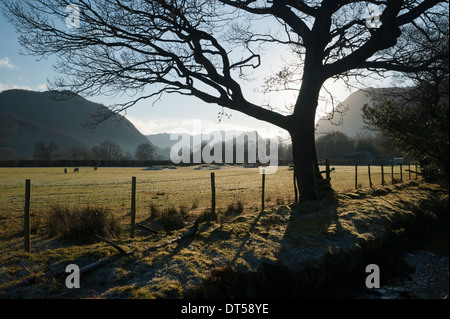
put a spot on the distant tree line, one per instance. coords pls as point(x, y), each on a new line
point(106, 151)
point(333, 145)
point(84, 163)
point(337, 145)
point(244, 149)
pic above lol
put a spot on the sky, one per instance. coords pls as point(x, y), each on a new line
point(173, 113)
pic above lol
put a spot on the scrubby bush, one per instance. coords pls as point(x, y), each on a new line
point(155, 212)
point(169, 217)
point(236, 207)
point(208, 215)
point(81, 224)
point(173, 218)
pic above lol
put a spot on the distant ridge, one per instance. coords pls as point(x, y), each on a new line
point(162, 140)
point(347, 117)
point(27, 117)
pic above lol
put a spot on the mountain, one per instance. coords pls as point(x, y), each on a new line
point(347, 117)
point(27, 117)
point(162, 140)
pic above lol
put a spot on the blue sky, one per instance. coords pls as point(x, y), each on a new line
point(173, 112)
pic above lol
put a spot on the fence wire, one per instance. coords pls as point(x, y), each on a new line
point(187, 187)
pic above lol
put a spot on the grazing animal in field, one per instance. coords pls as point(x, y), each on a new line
point(76, 169)
point(65, 171)
point(95, 168)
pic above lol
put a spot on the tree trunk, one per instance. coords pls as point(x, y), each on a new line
point(302, 131)
point(305, 163)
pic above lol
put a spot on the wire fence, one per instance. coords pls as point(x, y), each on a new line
point(187, 187)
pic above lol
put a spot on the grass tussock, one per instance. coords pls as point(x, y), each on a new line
point(237, 206)
point(81, 224)
point(174, 218)
point(170, 217)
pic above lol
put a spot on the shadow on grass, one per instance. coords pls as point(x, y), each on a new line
point(324, 251)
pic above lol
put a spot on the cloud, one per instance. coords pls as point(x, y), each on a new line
point(194, 126)
point(6, 63)
point(39, 87)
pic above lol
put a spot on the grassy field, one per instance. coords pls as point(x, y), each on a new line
point(234, 244)
point(187, 187)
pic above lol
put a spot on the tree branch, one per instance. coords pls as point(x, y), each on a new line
point(426, 65)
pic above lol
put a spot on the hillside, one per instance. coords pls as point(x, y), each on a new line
point(347, 117)
point(27, 117)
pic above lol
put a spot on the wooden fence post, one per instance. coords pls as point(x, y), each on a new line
point(382, 175)
point(133, 205)
point(409, 170)
point(213, 194)
point(370, 177)
point(356, 175)
point(401, 173)
point(263, 186)
point(327, 170)
point(26, 224)
point(392, 173)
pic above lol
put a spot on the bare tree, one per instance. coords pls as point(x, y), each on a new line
point(334, 145)
point(78, 153)
point(108, 151)
point(145, 152)
point(45, 152)
point(207, 48)
point(6, 152)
